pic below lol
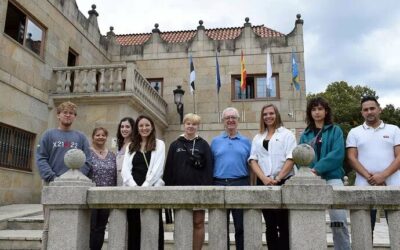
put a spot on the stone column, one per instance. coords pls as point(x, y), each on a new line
point(252, 223)
point(117, 230)
point(69, 219)
point(217, 233)
point(394, 232)
point(183, 235)
point(307, 198)
point(149, 230)
point(361, 235)
point(130, 75)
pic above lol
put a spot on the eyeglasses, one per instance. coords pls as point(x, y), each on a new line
point(230, 117)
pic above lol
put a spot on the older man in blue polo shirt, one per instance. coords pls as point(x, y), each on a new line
point(231, 151)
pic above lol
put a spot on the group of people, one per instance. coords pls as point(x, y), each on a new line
point(373, 151)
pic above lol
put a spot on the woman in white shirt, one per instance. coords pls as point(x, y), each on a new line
point(124, 137)
point(143, 166)
point(271, 161)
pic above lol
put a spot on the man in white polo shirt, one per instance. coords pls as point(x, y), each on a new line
point(373, 149)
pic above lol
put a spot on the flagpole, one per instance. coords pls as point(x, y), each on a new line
point(219, 116)
point(194, 102)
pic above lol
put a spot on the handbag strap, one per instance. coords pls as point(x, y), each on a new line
point(145, 159)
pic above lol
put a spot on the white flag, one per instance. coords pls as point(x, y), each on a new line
point(269, 73)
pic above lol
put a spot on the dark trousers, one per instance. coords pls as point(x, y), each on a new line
point(134, 229)
point(98, 222)
point(237, 214)
point(277, 225)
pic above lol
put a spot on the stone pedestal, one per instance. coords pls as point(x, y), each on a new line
point(307, 197)
point(65, 198)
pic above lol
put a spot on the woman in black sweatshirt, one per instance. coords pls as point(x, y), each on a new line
point(189, 163)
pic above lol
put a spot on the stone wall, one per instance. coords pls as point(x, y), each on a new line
point(26, 78)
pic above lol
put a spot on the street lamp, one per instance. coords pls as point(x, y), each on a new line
point(178, 95)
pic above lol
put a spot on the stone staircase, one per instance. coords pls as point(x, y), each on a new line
point(20, 228)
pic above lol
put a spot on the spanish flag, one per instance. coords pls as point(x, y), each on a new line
point(243, 73)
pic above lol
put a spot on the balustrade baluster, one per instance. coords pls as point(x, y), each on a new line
point(102, 81)
point(217, 225)
point(183, 235)
point(85, 81)
point(361, 236)
point(60, 82)
point(394, 225)
point(118, 231)
point(67, 84)
point(111, 79)
point(149, 219)
point(92, 81)
point(252, 225)
point(77, 83)
point(118, 82)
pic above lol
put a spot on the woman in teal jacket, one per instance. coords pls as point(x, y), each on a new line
point(328, 143)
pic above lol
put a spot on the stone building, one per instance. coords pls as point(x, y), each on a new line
point(50, 52)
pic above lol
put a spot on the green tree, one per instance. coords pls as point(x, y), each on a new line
point(391, 115)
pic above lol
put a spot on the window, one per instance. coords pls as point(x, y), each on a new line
point(157, 84)
point(23, 29)
point(256, 87)
point(16, 148)
point(71, 62)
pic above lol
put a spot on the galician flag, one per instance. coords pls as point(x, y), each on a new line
point(192, 76)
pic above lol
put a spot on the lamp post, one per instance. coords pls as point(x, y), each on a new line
point(178, 95)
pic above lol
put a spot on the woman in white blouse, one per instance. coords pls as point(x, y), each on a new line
point(271, 161)
point(143, 166)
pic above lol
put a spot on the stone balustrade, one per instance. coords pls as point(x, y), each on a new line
point(307, 198)
point(118, 80)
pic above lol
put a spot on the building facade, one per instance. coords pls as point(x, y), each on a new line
point(50, 52)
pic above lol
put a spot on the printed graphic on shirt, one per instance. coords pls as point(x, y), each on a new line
point(65, 144)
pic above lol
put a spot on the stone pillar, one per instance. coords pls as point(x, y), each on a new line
point(394, 225)
point(361, 235)
point(307, 197)
point(130, 75)
point(69, 216)
point(252, 229)
point(117, 230)
point(183, 235)
point(149, 219)
point(217, 224)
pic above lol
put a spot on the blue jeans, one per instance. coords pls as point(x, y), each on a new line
point(339, 225)
point(237, 214)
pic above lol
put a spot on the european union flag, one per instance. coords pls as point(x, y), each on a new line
point(295, 72)
point(217, 77)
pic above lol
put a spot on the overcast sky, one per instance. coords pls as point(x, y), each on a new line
point(357, 41)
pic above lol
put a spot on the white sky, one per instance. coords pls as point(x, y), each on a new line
point(356, 41)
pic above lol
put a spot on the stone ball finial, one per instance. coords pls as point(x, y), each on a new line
point(247, 19)
point(303, 155)
point(93, 6)
point(156, 25)
point(74, 158)
point(111, 28)
point(156, 30)
point(201, 22)
point(93, 11)
point(298, 16)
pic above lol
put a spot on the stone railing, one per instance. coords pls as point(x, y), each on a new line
point(307, 199)
point(89, 79)
point(110, 80)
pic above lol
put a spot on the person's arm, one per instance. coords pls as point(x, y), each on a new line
point(352, 157)
point(126, 171)
point(42, 160)
point(85, 169)
point(169, 165)
point(287, 167)
point(333, 159)
point(156, 165)
point(255, 167)
point(380, 178)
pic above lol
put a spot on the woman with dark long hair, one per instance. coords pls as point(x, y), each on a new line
point(124, 138)
point(327, 140)
point(143, 166)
